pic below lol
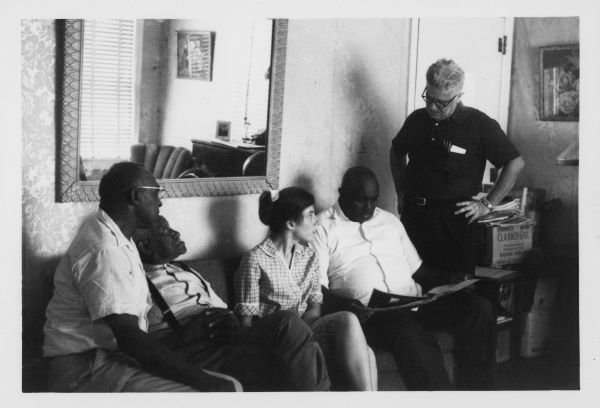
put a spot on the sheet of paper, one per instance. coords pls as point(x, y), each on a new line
point(454, 287)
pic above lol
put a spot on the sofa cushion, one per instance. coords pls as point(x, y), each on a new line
point(219, 273)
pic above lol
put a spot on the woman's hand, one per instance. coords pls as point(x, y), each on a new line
point(312, 313)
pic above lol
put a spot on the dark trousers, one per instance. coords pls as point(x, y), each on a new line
point(277, 353)
point(409, 336)
point(442, 239)
point(447, 243)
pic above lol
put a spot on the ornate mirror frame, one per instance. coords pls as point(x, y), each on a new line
point(68, 186)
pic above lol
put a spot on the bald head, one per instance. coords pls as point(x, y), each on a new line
point(355, 178)
point(359, 193)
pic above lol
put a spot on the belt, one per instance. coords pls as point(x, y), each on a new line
point(435, 202)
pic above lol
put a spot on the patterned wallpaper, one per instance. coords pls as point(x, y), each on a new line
point(47, 226)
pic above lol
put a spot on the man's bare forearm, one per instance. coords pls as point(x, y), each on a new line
point(156, 357)
point(398, 168)
point(506, 180)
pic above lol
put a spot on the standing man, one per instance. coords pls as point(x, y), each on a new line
point(447, 145)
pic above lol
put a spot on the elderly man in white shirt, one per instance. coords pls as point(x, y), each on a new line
point(95, 336)
point(361, 248)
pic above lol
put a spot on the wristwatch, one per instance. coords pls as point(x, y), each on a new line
point(485, 202)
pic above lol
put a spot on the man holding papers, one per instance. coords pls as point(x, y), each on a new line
point(362, 248)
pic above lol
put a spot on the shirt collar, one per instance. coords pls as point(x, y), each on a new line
point(460, 113)
point(105, 219)
point(153, 268)
point(339, 215)
point(268, 247)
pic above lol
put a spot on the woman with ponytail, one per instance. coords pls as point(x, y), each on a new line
point(282, 273)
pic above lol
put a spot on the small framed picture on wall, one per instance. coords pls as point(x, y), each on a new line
point(194, 55)
point(559, 83)
point(223, 130)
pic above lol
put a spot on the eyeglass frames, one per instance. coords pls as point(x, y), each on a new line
point(441, 105)
point(161, 190)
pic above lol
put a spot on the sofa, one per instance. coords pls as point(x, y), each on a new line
point(219, 272)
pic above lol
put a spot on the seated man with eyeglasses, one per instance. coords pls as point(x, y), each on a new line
point(95, 335)
point(276, 354)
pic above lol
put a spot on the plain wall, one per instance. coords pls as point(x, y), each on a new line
point(345, 98)
point(540, 142)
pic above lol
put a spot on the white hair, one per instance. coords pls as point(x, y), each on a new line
point(445, 74)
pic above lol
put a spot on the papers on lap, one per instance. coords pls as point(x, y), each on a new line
point(387, 302)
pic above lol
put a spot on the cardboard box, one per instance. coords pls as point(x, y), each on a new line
point(507, 244)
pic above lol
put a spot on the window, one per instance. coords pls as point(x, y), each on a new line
point(107, 89)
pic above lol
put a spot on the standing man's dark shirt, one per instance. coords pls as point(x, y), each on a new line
point(447, 158)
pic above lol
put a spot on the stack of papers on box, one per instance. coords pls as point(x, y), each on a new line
point(503, 217)
point(496, 274)
point(509, 213)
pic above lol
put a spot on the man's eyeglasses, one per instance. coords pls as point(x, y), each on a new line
point(161, 190)
point(441, 105)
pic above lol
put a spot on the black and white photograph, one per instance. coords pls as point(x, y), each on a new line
point(416, 216)
point(223, 130)
point(559, 97)
point(194, 55)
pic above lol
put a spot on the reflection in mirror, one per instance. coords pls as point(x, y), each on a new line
point(186, 98)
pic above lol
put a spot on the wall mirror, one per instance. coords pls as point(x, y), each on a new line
point(197, 102)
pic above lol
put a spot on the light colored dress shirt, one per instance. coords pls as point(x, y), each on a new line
point(357, 258)
point(185, 292)
point(100, 274)
point(265, 284)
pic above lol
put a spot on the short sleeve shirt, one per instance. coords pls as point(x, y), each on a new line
point(356, 258)
point(100, 274)
point(264, 283)
point(447, 158)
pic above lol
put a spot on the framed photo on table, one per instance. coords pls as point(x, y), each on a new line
point(559, 83)
point(194, 55)
point(223, 130)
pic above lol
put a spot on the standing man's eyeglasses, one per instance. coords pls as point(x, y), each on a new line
point(441, 105)
point(161, 190)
